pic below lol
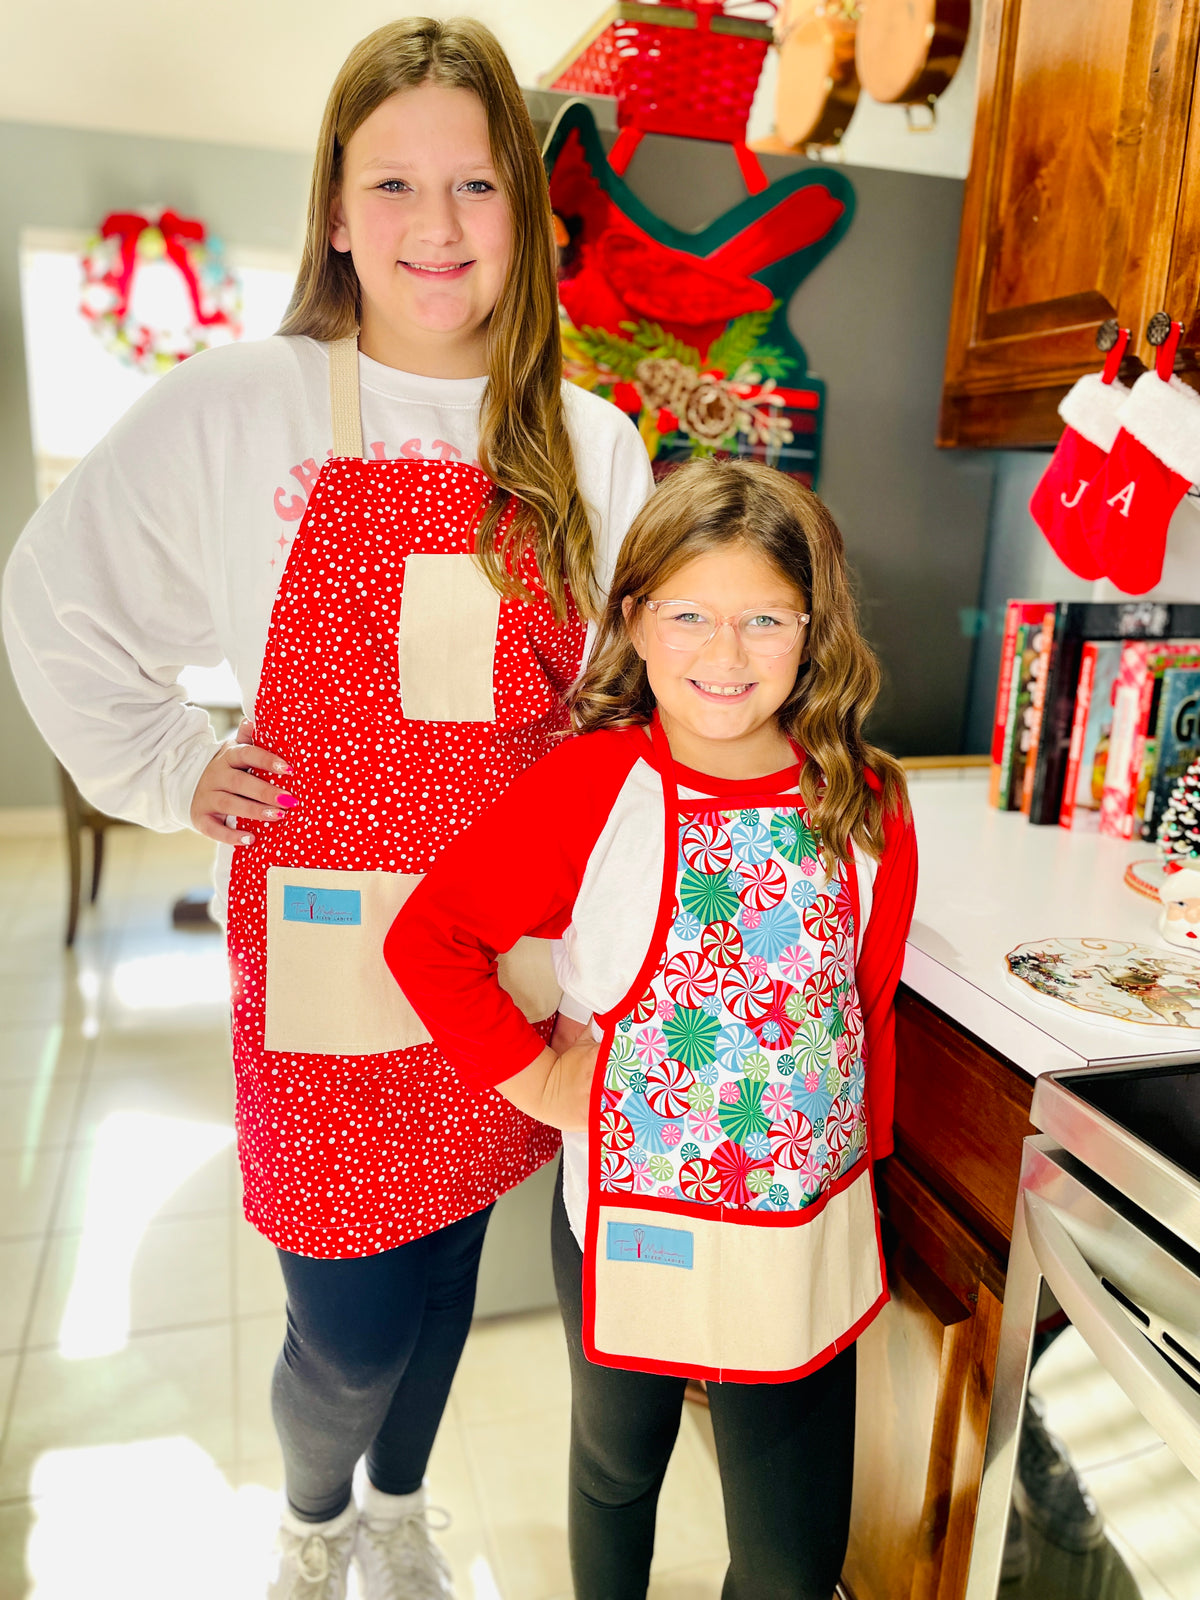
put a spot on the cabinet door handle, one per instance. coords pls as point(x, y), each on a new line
point(1156, 1389)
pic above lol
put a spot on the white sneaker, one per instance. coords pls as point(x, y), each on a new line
point(397, 1559)
point(313, 1564)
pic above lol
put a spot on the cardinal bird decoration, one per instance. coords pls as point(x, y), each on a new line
point(687, 332)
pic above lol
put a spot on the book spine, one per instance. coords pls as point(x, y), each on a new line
point(1039, 706)
point(1141, 733)
point(1083, 704)
point(1119, 775)
point(1005, 802)
point(1012, 617)
point(1057, 715)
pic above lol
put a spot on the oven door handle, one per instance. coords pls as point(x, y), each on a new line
point(1168, 1403)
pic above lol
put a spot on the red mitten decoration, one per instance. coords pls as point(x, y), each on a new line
point(1154, 461)
point(1090, 413)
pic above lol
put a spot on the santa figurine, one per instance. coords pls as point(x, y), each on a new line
point(1179, 922)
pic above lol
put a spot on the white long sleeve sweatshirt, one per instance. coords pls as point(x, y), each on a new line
point(164, 548)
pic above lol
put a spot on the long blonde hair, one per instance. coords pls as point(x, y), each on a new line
point(705, 506)
point(524, 446)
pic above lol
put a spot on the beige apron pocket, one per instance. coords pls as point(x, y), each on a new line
point(329, 990)
point(735, 1296)
point(526, 972)
point(449, 615)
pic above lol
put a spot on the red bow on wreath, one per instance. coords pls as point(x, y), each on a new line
point(178, 232)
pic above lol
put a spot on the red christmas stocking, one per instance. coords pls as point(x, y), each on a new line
point(1155, 458)
point(1090, 413)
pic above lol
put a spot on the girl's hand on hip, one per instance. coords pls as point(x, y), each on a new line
point(569, 1090)
point(230, 788)
point(566, 1033)
point(556, 1089)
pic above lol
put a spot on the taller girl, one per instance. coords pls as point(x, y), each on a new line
point(405, 636)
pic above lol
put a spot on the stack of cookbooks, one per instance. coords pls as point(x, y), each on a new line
point(1097, 712)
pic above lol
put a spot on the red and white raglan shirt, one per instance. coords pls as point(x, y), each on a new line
point(574, 851)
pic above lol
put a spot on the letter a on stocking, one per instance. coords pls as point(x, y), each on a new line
point(1155, 458)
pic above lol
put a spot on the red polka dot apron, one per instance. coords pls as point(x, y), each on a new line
point(406, 695)
point(732, 1232)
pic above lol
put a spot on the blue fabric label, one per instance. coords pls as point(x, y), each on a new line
point(660, 1247)
point(340, 906)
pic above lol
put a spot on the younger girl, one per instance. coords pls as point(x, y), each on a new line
point(731, 870)
point(392, 519)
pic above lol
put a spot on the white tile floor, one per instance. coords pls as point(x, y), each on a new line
point(140, 1315)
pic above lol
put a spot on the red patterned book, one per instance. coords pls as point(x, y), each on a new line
point(1091, 730)
point(1018, 613)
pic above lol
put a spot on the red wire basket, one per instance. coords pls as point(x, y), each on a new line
point(689, 69)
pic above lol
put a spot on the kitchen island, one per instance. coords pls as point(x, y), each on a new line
point(969, 1046)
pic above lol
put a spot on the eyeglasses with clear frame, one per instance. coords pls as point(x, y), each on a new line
point(688, 625)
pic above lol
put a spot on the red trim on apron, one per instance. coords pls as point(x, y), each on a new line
point(732, 1231)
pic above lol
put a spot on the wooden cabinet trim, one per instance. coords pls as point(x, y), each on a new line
point(921, 1220)
point(974, 1392)
point(962, 1112)
point(925, 1373)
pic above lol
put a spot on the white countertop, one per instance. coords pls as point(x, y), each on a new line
point(990, 881)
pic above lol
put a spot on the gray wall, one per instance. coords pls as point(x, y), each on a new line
point(67, 178)
point(1020, 566)
point(872, 318)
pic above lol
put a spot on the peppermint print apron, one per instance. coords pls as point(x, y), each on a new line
point(406, 695)
point(732, 1232)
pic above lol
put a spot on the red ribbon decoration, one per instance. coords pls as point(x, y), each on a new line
point(178, 232)
point(706, 10)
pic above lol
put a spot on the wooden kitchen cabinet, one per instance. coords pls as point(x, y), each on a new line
point(925, 1365)
point(1082, 204)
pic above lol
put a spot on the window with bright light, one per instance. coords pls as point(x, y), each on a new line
point(78, 389)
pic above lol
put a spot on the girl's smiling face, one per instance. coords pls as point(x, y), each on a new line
point(719, 703)
point(423, 216)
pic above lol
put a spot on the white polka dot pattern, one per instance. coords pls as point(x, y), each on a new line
point(346, 1156)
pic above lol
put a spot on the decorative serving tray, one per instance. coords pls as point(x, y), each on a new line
point(1116, 982)
point(1145, 877)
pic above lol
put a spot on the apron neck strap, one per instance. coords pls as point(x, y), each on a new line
point(343, 397)
point(666, 762)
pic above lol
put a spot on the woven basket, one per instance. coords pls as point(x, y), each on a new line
point(678, 69)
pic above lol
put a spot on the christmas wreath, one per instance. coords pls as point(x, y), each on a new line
point(127, 252)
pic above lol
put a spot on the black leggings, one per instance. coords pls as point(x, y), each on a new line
point(371, 1350)
point(785, 1452)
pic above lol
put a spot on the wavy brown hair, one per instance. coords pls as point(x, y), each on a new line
point(524, 446)
point(705, 506)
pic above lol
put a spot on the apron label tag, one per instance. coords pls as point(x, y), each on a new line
point(659, 1247)
point(340, 906)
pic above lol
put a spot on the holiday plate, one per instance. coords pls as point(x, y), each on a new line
point(1145, 877)
point(1111, 981)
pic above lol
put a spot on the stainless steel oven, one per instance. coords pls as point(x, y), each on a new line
point(1091, 1482)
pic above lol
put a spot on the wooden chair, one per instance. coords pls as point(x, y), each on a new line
point(80, 814)
point(213, 689)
